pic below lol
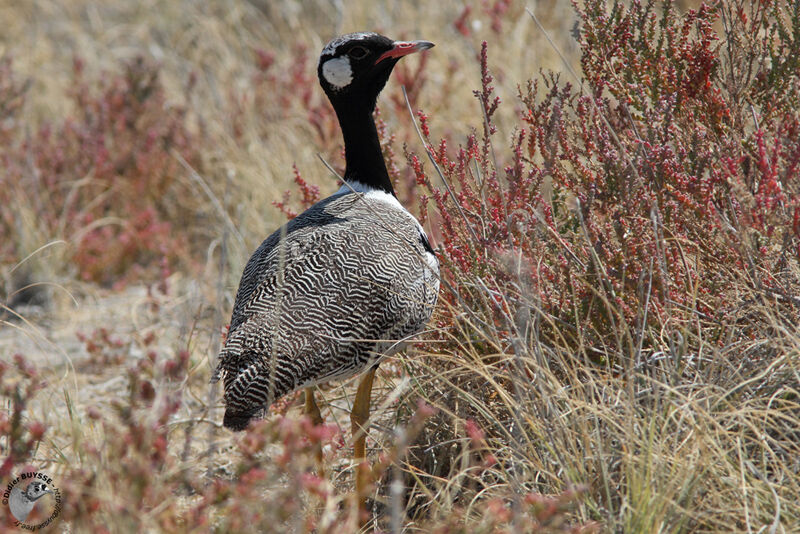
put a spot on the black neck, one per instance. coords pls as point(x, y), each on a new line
point(362, 149)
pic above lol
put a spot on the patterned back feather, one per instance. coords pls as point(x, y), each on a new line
point(325, 297)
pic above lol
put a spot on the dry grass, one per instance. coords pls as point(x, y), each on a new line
point(680, 423)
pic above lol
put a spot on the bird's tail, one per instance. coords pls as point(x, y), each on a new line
point(238, 420)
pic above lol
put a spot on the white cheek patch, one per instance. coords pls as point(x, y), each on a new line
point(337, 72)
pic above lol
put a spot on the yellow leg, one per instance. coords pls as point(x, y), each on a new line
point(312, 410)
point(358, 420)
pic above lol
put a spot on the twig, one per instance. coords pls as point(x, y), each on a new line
point(438, 170)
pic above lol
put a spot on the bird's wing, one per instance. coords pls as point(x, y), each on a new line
point(292, 239)
point(317, 294)
point(19, 504)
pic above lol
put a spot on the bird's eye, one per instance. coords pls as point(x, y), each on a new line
point(358, 52)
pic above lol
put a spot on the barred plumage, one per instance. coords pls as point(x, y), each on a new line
point(326, 296)
point(343, 284)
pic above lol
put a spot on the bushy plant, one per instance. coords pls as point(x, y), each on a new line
point(106, 179)
point(635, 195)
point(638, 236)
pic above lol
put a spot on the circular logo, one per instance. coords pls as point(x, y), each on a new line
point(29, 492)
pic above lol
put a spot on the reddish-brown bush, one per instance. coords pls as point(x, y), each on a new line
point(664, 182)
point(106, 178)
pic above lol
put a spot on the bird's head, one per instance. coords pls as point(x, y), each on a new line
point(36, 490)
point(353, 68)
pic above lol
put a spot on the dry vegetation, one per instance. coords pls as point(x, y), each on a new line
point(616, 347)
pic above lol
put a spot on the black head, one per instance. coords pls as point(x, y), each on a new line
point(355, 67)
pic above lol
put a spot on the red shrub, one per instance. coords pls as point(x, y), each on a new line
point(646, 194)
point(107, 177)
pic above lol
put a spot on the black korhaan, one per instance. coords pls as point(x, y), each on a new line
point(346, 282)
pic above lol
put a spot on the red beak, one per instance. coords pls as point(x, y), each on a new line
point(403, 48)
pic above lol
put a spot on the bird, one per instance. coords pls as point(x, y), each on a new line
point(344, 284)
point(21, 503)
